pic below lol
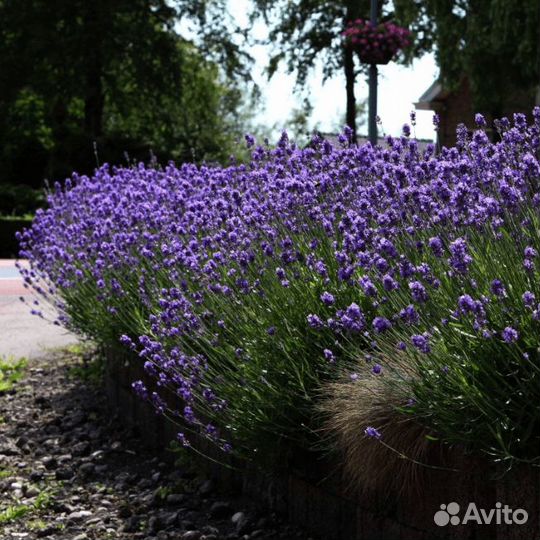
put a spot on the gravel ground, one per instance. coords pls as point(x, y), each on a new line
point(68, 470)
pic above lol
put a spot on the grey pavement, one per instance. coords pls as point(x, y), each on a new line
point(21, 333)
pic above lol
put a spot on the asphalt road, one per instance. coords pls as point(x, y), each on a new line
point(21, 333)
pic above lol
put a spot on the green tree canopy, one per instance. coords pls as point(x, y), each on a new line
point(305, 31)
point(116, 72)
point(495, 43)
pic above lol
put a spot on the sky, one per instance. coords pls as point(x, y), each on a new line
point(399, 88)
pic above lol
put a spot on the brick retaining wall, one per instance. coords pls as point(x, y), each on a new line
point(313, 495)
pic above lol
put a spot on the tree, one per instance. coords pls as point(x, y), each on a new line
point(115, 72)
point(309, 30)
point(495, 43)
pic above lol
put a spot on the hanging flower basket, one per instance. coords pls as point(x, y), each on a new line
point(376, 44)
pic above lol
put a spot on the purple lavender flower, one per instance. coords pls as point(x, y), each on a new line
point(409, 314)
point(353, 318)
point(466, 303)
point(327, 298)
point(372, 432)
point(315, 321)
point(329, 356)
point(367, 286)
point(509, 335)
point(418, 291)
point(381, 324)
point(436, 246)
point(389, 283)
point(421, 342)
point(528, 298)
point(480, 121)
point(376, 369)
point(530, 252)
point(460, 259)
point(497, 288)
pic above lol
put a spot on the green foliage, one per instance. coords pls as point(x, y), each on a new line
point(19, 200)
point(309, 31)
point(474, 390)
point(264, 413)
point(9, 225)
point(118, 74)
point(11, 371)
point(18, 511)
point(87, 365)
point(494, 42)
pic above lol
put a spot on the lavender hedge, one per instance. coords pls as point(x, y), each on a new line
point(243, 289)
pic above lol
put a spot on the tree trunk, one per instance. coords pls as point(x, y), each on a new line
point(348, 64)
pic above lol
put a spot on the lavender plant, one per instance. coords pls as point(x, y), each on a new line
point(243, 289)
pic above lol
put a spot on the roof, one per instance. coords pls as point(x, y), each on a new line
point(381, 140)
point(432, 98)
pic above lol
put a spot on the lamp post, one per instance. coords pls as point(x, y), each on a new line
point(372, 122)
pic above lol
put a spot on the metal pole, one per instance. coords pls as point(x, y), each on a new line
point(372, 124)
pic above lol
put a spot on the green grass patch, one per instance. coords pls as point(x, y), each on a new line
point(6, 473)
point(19, 511)
point(11, 372)
point(89, 367)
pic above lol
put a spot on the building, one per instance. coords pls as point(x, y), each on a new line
point(456, 107)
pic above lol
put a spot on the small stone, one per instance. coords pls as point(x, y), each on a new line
point(42, 401)
point(8, 447)
point(262, 523)
point(22, 441)
point(220, 510)
point(131, 524)
point(238, 516)
point(175, 499)
point(79, 515)
point(15, 486)
point(36, 476)
point(257, 534)
point(206, 488)
point(124, 511)
point(191, 535)
point(241, 523)
point(81, 449)
point(186, 524)
point(208, 530)
point(32, 491)
point(46, 531)
point(64, 473)
point(167, 519)
point(154, 524)
point(81, 536)
point(50, 463)
point(87, 469)
point(97, 456)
